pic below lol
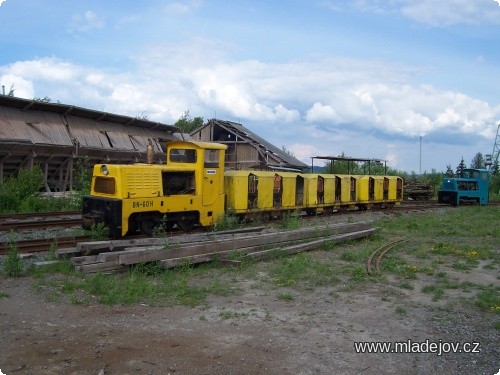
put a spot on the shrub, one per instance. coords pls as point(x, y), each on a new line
point(14, 190)
point(12, 265)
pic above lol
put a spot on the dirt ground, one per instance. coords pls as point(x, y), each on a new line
point(252, 332)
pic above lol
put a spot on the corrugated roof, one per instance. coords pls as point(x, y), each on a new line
point(65, 109)
point(258, 141)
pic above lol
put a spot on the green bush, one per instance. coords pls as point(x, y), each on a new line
point(12, 265)
point(21, 193)
point(15, 190)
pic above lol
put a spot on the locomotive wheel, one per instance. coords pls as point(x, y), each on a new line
point(185, 225)
point(168, 225)
point(147, 226)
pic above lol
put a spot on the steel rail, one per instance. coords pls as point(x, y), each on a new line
point(43, 244)
point(380, 253)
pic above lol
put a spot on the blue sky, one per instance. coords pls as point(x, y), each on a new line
point(366, 78)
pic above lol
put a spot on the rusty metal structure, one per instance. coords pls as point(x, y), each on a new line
point(246, 150)
point(55, 136)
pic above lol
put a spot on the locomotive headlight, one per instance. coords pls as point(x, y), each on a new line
point(104, 169)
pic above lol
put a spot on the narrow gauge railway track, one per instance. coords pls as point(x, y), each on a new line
point(375, 258)
point(40, 220)
point(43, 244)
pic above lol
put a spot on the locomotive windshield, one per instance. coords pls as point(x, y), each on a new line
point(180, 155)
point(104, 185)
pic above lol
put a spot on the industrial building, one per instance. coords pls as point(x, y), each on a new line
point(246, 150)
point(55, 136)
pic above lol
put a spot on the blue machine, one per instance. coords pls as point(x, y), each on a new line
point(471, 187)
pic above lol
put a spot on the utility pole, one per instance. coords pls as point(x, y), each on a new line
point(420, 164)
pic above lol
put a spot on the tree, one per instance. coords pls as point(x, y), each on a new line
point(461, 167)
point(477, 161)
point(287, 151)
point(11, 91)
point(449, 171)
point(188, 124)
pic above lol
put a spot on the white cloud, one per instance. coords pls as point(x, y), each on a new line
point(183, 8)
point(451, 12)
point(430, 12)
point(319, 112)
point(303, 151)
point(85, 22)
point(2, 1)
point(328, 94)
point(22, 87)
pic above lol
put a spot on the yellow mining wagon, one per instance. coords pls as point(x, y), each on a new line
point(365, 193)
point(370, 191)
point(395, 189)
point(291, 183)
point(248, 192)
point(345, 190)
point(330, 192)
point(313, 192)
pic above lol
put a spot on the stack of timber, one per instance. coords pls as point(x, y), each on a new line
point(418, 191)
point(115, 256)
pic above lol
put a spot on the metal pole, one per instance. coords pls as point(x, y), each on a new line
point(420, 164)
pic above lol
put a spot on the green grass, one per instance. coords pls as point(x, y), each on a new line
point(400, 311)
point(489, 300)
point(302, 271)
point(226, 222)
point(437, 291)
point(432, 254)
point(286, 297)
point(145, 283)
point(290, 220)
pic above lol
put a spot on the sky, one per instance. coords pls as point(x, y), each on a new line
point(413, 83)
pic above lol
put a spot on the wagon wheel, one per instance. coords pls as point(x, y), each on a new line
point(186, 225)
point(265, 216)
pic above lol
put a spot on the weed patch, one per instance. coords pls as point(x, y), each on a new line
point(12, 265)
point(304, 272)
point(489, 300)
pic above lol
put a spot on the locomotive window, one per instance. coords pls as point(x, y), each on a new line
point(175, 183)
point(104, 185)
point(211, 158)
point(178, 155)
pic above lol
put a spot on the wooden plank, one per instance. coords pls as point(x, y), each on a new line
point(255, 253)
point(202, 252)
point(99, 267)
point(148, 254)
point(46, 263)
point(92, 247)
point(67, 251)
point(85, 259)
point(311, 245)
point(156, 253)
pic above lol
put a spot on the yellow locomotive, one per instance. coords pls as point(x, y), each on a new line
point(193, 189)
